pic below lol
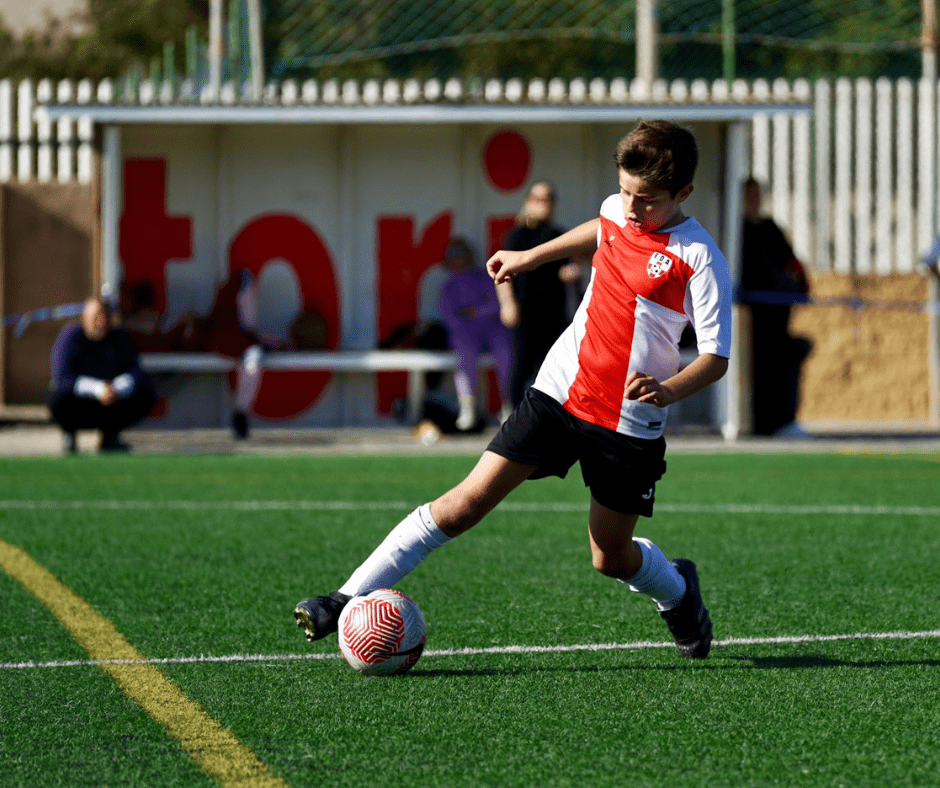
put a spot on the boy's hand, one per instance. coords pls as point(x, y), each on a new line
point(645, 388)
point(702, 372)
point(504, 265)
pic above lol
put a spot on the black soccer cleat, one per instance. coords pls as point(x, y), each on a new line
point(319, 616)
point(689, 622)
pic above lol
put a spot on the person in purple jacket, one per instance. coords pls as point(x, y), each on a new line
point(97, 382)
point(476, 314)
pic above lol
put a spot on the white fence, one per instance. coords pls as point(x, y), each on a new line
point(854, 186)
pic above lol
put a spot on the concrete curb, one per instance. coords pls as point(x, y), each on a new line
point(44, 440)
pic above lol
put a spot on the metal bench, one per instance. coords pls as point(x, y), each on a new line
point(415, 362)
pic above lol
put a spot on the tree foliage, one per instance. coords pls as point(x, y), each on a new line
point(118, 34)
point(494, 38)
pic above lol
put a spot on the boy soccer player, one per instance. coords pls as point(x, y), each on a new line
point(602, 393)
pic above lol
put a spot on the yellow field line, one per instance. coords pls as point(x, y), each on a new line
point(213, 747)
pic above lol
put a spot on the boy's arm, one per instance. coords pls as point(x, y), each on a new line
point(702, 372)
point(503, 265)
point(508, 305)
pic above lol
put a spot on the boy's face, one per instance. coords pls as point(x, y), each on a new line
point(647, 208)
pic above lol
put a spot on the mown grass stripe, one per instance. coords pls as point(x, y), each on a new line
point(508, 506)
point(213, 747)
point(483, 651)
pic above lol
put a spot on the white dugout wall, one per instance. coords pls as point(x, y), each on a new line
point(349, 183)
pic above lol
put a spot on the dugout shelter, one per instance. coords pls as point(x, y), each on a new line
point(340, 202)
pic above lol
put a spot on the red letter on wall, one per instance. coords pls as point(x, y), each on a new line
point(148, 238)
point(402, 259)
point(287, 394)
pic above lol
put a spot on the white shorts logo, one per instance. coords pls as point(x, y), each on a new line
point(658, 265)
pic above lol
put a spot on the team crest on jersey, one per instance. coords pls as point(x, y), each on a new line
point(658, 265)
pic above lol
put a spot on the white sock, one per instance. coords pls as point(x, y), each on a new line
point(468, 412)
point(248, 379)
point(406, 546)
point(657, 578)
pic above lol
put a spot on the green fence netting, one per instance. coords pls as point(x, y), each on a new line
point(587, 38)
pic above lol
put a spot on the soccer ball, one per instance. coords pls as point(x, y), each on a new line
point(382, 633)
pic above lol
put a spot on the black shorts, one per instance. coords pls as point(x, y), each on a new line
point(621, 471)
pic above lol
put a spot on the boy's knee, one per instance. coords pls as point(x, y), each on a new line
point(458, 511)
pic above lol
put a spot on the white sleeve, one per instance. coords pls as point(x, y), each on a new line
point(123, 385)
point(90, 388)
point(708, 305)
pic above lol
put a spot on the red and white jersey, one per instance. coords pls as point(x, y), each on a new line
point(644, 289)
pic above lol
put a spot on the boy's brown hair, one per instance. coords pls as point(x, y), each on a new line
point(659, 153)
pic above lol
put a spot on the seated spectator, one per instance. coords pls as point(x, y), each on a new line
point(229, 330)
point(475, 316)
point(140, 318)
point(428, 332)
point(96, 381)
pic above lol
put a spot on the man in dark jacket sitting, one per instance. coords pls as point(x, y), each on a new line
point(97, 382)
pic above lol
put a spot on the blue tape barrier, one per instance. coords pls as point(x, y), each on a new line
point(25, 319)
point(857, 303)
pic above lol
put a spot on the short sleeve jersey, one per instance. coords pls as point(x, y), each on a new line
point(644, 289)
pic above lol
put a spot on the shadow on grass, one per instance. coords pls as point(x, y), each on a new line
point(817, 661)
point(796, 662)
point(528, 671)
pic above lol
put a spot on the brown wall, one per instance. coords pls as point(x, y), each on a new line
point(869, 364)
point(48, 245)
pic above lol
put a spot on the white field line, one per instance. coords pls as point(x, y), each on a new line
point(470, 652)
point(507, 506)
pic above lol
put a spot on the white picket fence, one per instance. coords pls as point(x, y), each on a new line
point(855, 185)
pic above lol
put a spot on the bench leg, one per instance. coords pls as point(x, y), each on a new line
point(415, 395)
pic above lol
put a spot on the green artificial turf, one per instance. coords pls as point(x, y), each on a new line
point(194, 556)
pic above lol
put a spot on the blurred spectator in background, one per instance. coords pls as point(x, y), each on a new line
point(476, 316)
point(542, 294)
point(229, 330)
point(932, 258)
point(438, 413)
point(140, 318)
point(772, 279)
point(429, 331)
point(96, 381)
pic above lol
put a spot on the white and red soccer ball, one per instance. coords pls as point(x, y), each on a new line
point(382, 633)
